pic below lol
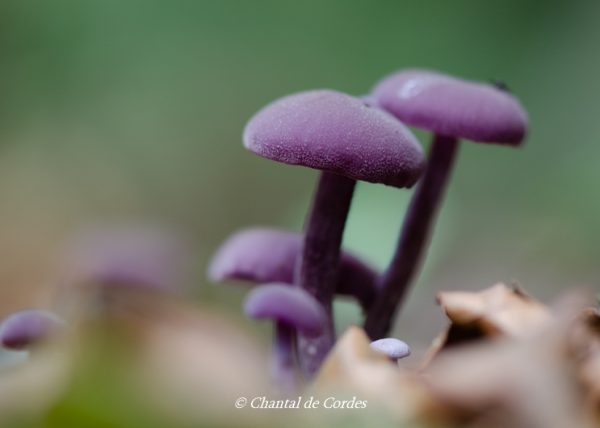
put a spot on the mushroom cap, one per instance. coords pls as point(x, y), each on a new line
point(331, 131)
point(262, 255)
point(257, 255)
point(137, 255)
point(25, 328)
point(285, 304)
point(454, 107)
point(393, 348)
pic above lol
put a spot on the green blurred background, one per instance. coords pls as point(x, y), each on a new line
point(120, 111)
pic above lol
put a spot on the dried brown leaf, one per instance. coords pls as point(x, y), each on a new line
point(497, 310)
point(585, 343)
point(521, 379)
point(494, 312)
point(354, 368)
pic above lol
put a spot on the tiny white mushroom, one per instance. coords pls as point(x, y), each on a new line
point(394, 349)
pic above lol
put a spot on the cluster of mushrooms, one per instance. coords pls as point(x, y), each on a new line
point(351, 138)
point(528, 365)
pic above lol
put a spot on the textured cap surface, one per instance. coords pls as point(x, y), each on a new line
point(286, 304)
point(453, 107)
point(332, 131)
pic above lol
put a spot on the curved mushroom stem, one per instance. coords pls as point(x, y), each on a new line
point(283, 369)
point(418, 223)
point(319, 260)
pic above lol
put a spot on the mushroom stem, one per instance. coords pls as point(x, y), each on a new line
point(412, 244)
point(283, 368)
point(319, 260)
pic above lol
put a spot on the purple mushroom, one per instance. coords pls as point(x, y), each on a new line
point(452, 109)
point(293, 310)
point(261, 255)
point(142, 256)
point(24, 329)
point(347, 140)
point(394, 349)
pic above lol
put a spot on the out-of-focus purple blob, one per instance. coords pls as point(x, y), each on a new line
point(28, 327)
point(453, 107)
point(262, 255)
point(331, 131)
point(134, 256)
point(288, 305)
point(393, 348)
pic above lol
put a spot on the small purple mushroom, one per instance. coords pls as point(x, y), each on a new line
point(27, 328)
point(394, 349)
point(347, 140)
point(261, 255)
point(451, 108)
point(293, 310)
